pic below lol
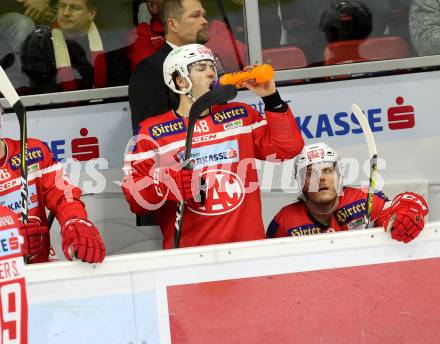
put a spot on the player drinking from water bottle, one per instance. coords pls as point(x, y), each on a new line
point(227, 140)
point(326, 206)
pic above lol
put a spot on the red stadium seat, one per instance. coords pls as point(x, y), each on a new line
point(285, 57)
point(378, 48)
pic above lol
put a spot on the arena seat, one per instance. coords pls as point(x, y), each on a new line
point(377, 48)
point(287, 57)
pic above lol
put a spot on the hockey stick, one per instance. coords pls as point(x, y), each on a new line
point(372, 154)
point(218, 95)
point(15, 102)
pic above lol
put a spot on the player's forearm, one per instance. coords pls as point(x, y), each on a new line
point(64, 201)
point(282, 127)
point(140, 194)
point(73, 209)
point(61, 196)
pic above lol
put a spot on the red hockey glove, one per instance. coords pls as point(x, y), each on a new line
point(176, 184)
point(32, 233)
point(405, 216)
point(81, 239)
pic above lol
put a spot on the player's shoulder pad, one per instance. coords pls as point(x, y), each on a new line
point(33, 142)
point(296, 206)
point(350, 192)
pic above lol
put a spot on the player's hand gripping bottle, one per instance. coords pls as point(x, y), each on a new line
point(257, 74)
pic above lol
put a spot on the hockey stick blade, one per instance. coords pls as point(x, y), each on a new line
point(357, 111)
point(15, 102)
point(218, 95)
point(372, 154)
point(7, 89)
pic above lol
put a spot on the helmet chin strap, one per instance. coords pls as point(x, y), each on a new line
point(190, 96)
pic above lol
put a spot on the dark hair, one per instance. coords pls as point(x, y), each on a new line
point(170, 9)
point(90, 4)
point(346, 20)
point(174, 78)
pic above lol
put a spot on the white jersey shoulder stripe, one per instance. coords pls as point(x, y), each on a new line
point(55, 167)
point(9, 184)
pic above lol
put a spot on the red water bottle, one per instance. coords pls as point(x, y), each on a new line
point(255, 75)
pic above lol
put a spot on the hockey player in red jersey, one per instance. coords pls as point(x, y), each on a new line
point(227, 140)
point(48, 188)
point(326, 206)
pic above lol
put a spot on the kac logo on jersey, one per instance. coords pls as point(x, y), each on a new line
point(176, 126)
point(224, 193)
point(33, 156)
point(220, 153)
point(229, 115)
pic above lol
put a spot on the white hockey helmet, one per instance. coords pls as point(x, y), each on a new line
point(315, 154)
point(180, 59)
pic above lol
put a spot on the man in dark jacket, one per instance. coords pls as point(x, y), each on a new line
point(184, 23)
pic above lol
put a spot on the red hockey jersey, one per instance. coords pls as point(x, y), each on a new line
point(225, 145)
point(295, 220)
point(144, 40)
point(48, 187)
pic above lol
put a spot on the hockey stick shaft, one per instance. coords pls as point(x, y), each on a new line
point(15, 102)
point(371, 185)
point(372, 154)
point(215, 96)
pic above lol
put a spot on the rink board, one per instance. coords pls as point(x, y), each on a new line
point(358, 286)
point(385, 303)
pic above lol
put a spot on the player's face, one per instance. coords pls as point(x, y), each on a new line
point(203, 75)
point(74, 16)
point(192, 26)
point(320, 183)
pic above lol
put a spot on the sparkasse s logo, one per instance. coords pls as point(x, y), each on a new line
point(83, 148)
point(343, 123)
